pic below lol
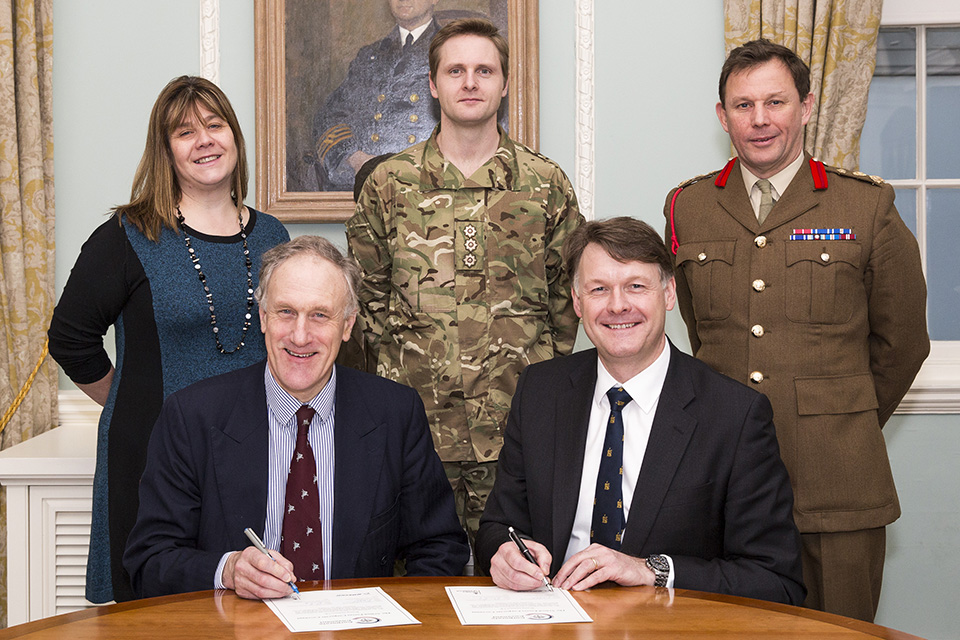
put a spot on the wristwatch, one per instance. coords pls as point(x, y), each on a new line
point(661, 569)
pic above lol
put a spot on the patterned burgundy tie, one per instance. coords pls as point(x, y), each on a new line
point(301, 542)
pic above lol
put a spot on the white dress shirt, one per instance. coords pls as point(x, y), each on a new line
point(644, 389)
point(778, 182)
point(281, 415)
point(416, 32)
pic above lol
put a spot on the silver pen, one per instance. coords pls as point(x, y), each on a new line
point(258, 543)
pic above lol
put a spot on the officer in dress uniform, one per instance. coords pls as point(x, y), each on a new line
point(802, 281)
point(384, 104)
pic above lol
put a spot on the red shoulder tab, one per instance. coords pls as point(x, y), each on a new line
point(674, 244)
point(721, 180)
point(819, 174)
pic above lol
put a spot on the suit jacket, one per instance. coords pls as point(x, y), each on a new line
point(832, 331)
point(712, 491)
point(206, 481)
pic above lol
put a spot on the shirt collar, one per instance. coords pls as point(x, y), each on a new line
point(284, 406)
point(644, 388)
point(499, 172)
point(416, 32)
point(780, 180)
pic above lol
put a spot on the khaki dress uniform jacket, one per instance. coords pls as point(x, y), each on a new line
point(832, 331)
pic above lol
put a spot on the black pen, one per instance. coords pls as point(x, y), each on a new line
point(526, 553)
point(258, 543)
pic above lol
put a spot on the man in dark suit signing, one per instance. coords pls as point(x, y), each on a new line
point(332, 467)
point(633, 462)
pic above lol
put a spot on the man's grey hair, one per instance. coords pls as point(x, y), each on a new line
point(319, 248)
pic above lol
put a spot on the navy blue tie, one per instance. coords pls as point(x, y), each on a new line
point(608, 523)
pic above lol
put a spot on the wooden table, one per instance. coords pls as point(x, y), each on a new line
point(618, 612)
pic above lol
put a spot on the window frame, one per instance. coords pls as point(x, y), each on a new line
point(936, 389)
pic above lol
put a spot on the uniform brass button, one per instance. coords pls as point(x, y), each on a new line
point(377, 116)
point(760, 241)
point(757, 330)
point(414, 97)
point(759, 285)
point(411, 138)
point(414, 117)
point(701, 257)
point(756, 377)
point(375, 137)
point(381, 98)
point(825, 256)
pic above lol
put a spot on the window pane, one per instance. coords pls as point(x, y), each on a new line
point(888, 145)
point(906, 204)
point(943, 103)
point(943, 263)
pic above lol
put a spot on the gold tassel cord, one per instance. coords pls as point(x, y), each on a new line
point(8, 414)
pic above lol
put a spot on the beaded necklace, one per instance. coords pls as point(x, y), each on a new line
point(206, 289)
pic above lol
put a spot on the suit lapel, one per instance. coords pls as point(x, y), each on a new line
point(569, 429)
point(359, 447)
point(239, 449)
point(669, 436)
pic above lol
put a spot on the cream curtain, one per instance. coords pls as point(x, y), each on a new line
point(838, 41)
point(26, 226)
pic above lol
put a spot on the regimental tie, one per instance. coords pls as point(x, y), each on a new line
point(301, 542)
point(766, 199)
point(608, 523)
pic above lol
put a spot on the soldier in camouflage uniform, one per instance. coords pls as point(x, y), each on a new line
point(384, 103)
point(462, 279)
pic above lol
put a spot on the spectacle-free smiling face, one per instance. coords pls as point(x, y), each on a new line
point(469, 82)
point(204, 151)
point(765, 116)
point(623, 307)
point(303, 322)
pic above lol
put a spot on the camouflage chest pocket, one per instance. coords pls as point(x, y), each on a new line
point(823, 281)
point(423, 270)
point(516, 251)
point(708, 268)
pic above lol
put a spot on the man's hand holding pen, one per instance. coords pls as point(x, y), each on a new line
point(253, 574)
point(511, 570)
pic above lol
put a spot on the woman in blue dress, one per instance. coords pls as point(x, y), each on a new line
point(173, 271)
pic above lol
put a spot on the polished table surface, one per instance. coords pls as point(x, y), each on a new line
point(618, 612)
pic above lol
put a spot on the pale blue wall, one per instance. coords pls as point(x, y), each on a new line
point(656, 68)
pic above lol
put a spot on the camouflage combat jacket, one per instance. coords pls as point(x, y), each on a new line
point(462, 283)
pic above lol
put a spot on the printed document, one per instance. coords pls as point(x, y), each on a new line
point(493, 605)
point(340, 609)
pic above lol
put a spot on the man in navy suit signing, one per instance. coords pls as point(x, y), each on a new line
point(229, 452)
point(633, 462)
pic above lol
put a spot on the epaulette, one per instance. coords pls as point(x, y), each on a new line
point(687, 183)
point(720, 182)
point(858, 175)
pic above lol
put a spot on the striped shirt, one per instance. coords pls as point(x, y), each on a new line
point(281, 414)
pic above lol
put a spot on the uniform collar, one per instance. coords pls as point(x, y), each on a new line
point(780, 180)
point(499, 172)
